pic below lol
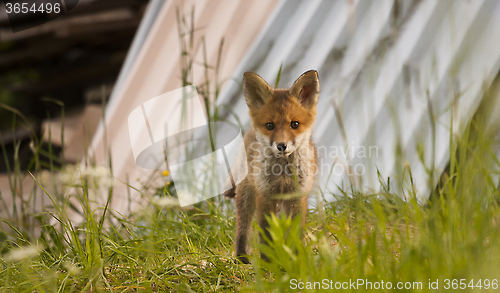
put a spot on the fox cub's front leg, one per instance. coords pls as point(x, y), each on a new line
point(265, 207)
point(293, 207)
point(245, 208)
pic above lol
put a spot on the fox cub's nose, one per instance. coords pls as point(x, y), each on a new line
point(281, 147)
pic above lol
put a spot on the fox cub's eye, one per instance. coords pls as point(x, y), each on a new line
point(270, 126)
point(294, 124)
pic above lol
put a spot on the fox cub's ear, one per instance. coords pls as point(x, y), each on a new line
point(256, 90)
point(306, 88)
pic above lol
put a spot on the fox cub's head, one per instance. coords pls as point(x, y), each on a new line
point(282, 118)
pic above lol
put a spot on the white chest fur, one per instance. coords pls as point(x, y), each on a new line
point(282, 175)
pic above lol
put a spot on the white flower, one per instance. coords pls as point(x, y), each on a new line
point(98, 176)
point(72, 269)
point(25, 252)
point(165, 202)
point(70, 176)
point(96, 172)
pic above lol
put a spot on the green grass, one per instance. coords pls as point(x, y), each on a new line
point(359, 238)
point(355, 243)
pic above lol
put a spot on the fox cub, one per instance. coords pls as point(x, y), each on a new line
point(281, 156)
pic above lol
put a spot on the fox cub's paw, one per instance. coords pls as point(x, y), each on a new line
point(242, 259)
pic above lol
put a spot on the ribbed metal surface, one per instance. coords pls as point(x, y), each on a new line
point(154, 67)
point(402, 74)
